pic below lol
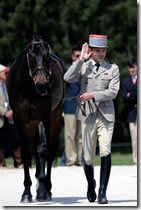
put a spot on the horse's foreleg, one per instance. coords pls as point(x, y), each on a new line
point(48, 180)
point(42, 155)
point(26, 196)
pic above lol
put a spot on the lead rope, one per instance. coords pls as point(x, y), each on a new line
point(81, 106)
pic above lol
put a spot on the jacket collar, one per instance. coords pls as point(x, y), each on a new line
point(102, 68)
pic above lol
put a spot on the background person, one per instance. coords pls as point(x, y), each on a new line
point(99, 86)
point(72, 126)
point(8, 133)
point(129, 95)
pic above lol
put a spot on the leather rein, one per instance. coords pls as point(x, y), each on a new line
point(31, 73)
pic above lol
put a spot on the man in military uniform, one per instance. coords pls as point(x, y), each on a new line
point(100, 82)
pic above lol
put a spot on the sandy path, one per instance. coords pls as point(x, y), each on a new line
point(69, 187)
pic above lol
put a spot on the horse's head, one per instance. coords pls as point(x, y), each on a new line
point(39, 65)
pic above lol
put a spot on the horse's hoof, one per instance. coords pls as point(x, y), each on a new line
point(26, 199)
point(49, 196)
point(44, 197)
point(41, 198)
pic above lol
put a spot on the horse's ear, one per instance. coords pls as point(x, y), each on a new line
point(44, 36)
point(43, 33)
point(28, 34)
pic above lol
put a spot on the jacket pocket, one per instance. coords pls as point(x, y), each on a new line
point(105, 80)
point(106, 77)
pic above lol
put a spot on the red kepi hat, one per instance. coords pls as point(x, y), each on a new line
point(98, 41)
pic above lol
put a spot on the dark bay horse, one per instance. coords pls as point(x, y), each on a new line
point(36, 91)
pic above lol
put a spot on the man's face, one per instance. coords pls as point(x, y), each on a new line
point(2, 76)
point(98, 54)
point(76, 55)
point(133, 70)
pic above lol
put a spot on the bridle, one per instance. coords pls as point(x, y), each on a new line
point(33, 72)
point(48, 72)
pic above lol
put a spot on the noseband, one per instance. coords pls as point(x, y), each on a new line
point(32, 72)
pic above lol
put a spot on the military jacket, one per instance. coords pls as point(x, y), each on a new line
point(104, 84)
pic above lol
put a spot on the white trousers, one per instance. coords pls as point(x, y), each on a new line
point(102, 131)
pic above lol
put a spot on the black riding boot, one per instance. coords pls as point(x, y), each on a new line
point(91, 195)
point(104, 178)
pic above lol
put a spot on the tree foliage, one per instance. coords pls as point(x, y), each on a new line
point(65, 22)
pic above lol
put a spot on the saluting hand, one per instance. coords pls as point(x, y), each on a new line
point(85, 54)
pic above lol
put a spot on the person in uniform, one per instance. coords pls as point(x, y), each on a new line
point(100, 83)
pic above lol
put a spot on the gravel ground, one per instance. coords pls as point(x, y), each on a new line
point(69, 187)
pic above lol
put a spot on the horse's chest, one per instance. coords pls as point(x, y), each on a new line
point(33, 111)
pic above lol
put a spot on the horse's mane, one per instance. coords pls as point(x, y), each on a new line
point(55, 57)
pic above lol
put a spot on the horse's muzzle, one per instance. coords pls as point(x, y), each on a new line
point(42, 88)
